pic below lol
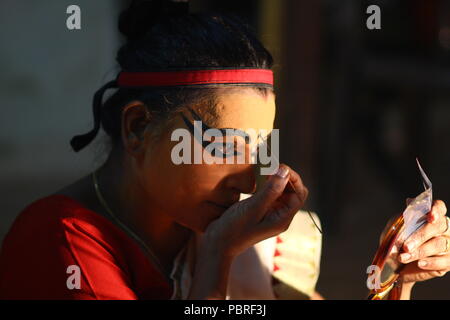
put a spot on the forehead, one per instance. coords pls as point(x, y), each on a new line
point(245, 109)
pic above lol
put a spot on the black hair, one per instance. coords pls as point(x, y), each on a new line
point(162, 36)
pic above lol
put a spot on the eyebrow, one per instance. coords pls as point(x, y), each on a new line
point(224, 131)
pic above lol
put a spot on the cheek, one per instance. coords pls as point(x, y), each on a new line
point(182, 191)
point(196, 187)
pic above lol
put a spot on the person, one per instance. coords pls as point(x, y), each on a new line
point(129, 229)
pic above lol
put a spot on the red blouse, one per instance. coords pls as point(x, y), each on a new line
point(56, 232)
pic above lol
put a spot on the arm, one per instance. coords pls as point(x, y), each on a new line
point(405, 293)
point(210, 277)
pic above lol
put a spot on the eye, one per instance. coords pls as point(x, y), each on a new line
point(223, 149)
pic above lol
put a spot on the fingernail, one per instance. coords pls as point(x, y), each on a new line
point(282, 172)
point(422, 263)
point(410, 245)
point(405, 256)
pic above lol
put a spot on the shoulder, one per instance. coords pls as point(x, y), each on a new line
point(55, 233)
point(50, 217)
point(58, 224)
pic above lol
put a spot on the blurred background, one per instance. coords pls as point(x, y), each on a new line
point(355, 108)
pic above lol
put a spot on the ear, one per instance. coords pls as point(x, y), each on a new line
point(135, 119)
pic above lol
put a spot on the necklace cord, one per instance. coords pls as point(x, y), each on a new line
point(127, 230)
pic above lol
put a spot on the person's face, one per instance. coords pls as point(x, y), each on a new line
point(195, 194)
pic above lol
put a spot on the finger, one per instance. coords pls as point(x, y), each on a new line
point(288, 203)
point(278, 219)
point(437, 210)
point(432, 247)
point(413, 273)
point(424, 234)
point(297, 185)
point(283, 210)
point(294, 195)
point(438, 263)
point(271, 191)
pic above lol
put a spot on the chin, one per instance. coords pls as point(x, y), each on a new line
point(201, 221)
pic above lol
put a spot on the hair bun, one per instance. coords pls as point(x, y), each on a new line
point(135, 21)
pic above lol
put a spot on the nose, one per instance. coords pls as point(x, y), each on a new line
point(242, 180)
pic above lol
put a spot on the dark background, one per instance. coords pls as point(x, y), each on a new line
point(355, 108)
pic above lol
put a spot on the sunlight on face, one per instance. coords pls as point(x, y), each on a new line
point(195, 194)
point(246, 111)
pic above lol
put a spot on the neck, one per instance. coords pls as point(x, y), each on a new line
point(129, 203)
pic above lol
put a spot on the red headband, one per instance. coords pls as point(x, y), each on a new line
point(247, 76)
point(195, 77)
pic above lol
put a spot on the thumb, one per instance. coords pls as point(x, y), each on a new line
point(271, 191)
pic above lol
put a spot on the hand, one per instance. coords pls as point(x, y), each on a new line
point(264, 215)
point(426, 252)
